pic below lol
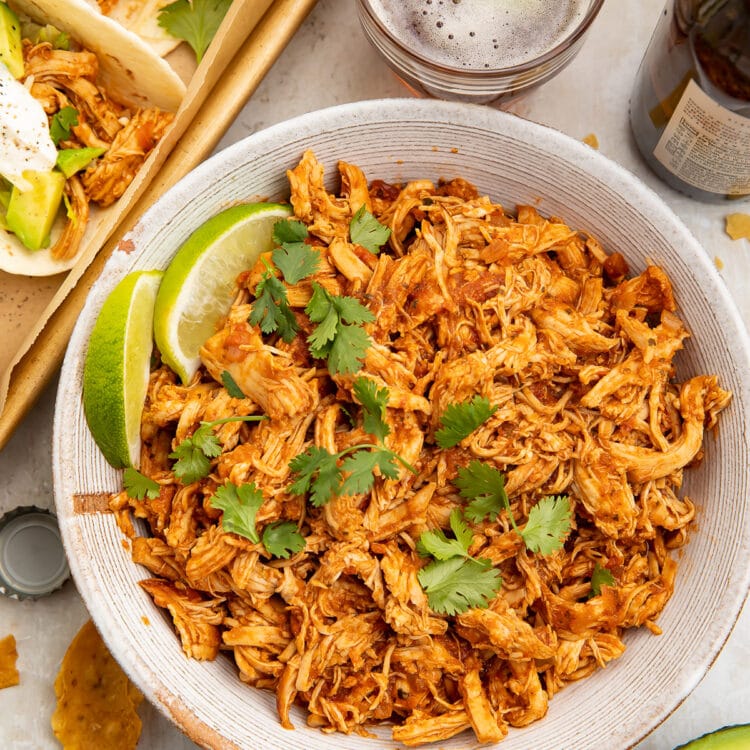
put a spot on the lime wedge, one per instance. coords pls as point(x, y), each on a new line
point(197, 287)
point(733, 737)
point(116, 370)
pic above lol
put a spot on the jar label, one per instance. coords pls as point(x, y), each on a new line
point(706, 145)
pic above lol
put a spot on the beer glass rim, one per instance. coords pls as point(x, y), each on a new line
point(489, 73)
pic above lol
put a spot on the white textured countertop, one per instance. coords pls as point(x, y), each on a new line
point(330, 62)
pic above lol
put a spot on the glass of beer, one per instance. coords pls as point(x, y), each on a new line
point(482, 51)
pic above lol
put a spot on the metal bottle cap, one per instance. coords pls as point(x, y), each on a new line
point(32, 558)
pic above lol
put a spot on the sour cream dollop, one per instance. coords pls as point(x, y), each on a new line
point(25, 142)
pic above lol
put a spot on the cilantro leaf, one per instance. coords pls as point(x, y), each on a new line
point(195, 21)
point(192, 463)
point(485, 487)
point(374, 401)
point(600, 577)
point(460, 420)
point(367, 231)
point(283, 539)
point(193, 454)
point(458, 583)
point(296, 260)
point(318, 473)
point(361, 465)
point(548, 524)
point(62, 121)
point(437, 544)
point(138, 485)
point(338, 335)
point(294, 257)
point(271, 311)
point(240, 505)
point(289, 230)
point(348, 349)
point(231, 385)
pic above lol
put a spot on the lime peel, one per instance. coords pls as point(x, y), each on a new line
point(117, 365)
point(196, 291)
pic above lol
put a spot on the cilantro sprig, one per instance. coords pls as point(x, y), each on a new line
point(600, 576)
point(231, 385)
point(454, 581)
point(271, 311)
point(194, 21)
point(351, 471)
point(458, 421)
point(296, 260)
point(324, 475)
point(367, 231)
point(240, 505)
point(138, 485)
point(549, 521)
point(338, 335)
point(62, 121)
point(293, 257)
point(193, 455)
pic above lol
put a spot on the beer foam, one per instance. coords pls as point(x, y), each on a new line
point(480, 34)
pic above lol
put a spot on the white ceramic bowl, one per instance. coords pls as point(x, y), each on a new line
point(514, 161)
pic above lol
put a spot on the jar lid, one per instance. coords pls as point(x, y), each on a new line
point(32, 558)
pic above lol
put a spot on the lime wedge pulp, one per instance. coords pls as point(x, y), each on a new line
point(197, 287)
point(117, 365)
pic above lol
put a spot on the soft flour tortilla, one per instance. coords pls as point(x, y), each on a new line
point(129, 70)
point(141, 17)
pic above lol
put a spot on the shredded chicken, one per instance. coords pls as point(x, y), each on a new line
point(61, 78)
point(468, 300)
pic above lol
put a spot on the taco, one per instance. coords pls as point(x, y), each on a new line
point(83, 102)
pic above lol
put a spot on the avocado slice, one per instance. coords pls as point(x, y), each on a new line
point(11, 47)
point(736, 737)
point(72, 160)
point(32, 213)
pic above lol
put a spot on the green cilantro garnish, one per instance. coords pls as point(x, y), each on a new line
point(349, 472)
point(318, 473)
point(61, 123)
point(231, 385)
point(271, 311)
point(195, 21)
point(294, 257)
point(485, 487)
point(374, 401)
point(282, 539)
point(548, 525)
point(367, 231)
point(360, 467)
point(138, 485)
point(321, 473)
point(549, 520)
point(240, 505)
point(194, 454)
point(600, 577)
point(454, 581)
point(460, 420)
point(338, 336)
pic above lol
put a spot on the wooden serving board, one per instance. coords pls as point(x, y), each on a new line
point(216, 94)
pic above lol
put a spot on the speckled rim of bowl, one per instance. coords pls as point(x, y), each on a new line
point(398, 139)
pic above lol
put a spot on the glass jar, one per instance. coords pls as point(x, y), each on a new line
point(690, 108)
point(482, 51)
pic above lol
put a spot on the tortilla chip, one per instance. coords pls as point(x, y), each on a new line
point(591, 140)
point(8, 673)
point(738, 226)
point(96, 702)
